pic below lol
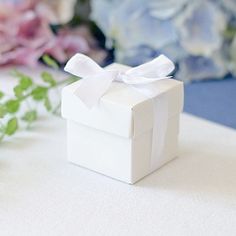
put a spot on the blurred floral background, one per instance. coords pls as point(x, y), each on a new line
point(199, 35)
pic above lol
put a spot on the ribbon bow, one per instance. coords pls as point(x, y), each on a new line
point(96, 80)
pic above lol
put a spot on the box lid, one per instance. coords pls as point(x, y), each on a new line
point(123, 110)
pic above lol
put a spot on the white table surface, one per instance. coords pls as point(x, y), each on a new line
point(41, 194)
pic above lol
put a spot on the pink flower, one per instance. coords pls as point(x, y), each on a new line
point(25, 35)
point(21, 56)
point(77, 38)
point(22, 34)
point(63, 47)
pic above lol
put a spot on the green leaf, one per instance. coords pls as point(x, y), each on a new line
point(2, 110)
point(39, 93)
point(229, 32)
point(47, 104)
point(12, 126)
point(30, 116)
point(50, 62)
point(48, 78)
point(16, 73)
point(1, 94)
point(18, 91)
point(25, 82)
point(12, 106)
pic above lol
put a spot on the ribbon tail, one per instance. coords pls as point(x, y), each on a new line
point(160, 124)
point(92, 88)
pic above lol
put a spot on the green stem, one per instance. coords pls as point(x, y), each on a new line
point(29, 94)
point(71, 79)
point(2, 136)
point(55, 110)
point(2, 129)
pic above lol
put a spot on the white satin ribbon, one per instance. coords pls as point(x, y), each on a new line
point(96, 81)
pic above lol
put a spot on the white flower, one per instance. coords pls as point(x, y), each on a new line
point(62, 11)
point(201, 27)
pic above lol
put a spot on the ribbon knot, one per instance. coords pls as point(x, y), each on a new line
point(120, 77)
point(96, 80)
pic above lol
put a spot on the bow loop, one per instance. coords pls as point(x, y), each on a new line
point(157, 68)
point(82, 66)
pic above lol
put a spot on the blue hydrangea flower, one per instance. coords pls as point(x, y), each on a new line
point(191, 33)
point(198, 68)
point(131, 25)
point(232, 56)
point(201, 28)
point(136, 55)
point(166, 9)
point(102, 11)
point(229, 6)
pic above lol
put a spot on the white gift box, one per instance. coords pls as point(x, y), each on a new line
point(129, 134)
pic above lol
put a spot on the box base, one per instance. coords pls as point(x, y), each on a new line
point(123, 159)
